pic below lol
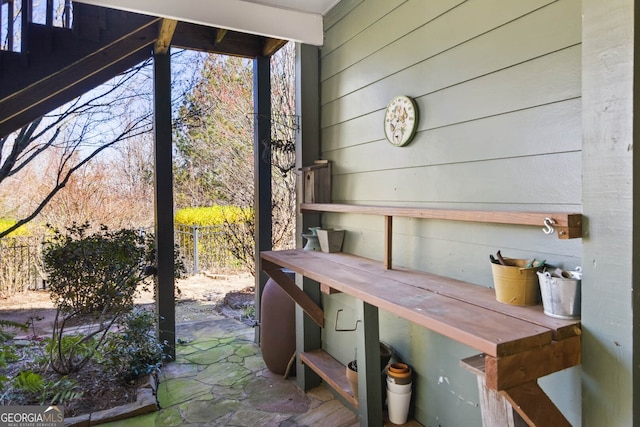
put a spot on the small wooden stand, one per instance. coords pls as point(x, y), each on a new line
point(317, 182)
point(521, 406)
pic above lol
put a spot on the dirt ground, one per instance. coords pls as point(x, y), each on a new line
point(200, 297)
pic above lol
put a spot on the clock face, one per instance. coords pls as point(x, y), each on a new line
point(400, 120)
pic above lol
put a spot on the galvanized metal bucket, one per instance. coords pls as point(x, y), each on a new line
point(561, 296)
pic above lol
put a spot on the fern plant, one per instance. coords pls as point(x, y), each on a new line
point(45, 392)
point(4, 335)
point(7, 352)
point(29, 382)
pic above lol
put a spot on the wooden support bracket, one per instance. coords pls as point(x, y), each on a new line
point(165, 34)
point(220, 34)
point(521, 368)
point(303, 300)
point(534, 406)
point(524, 405)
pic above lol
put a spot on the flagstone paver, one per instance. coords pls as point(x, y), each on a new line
point(220, 379)
point(224, 373)
point(178, 390)
point(211, 355)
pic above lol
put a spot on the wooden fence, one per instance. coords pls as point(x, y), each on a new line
point(201, 249)
point(20, 264)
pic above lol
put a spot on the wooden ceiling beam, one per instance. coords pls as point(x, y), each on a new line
point(225, 42)
point(220, 33)
point(271, 46)
point(25, 105)
point(68, 93)
point(165, 35)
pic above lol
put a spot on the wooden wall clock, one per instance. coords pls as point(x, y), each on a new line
point(400, 120)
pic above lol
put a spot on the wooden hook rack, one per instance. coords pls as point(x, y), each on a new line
point(568, 225)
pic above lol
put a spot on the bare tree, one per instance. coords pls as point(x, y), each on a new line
point(214, 139)
point(77, 133)
point(284, 125)
point(114, 189)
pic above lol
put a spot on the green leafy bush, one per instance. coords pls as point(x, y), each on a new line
point(93, 278)
point(133, 351)
point(7, 352)
point(96, 273)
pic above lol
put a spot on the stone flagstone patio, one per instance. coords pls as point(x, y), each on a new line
point(220, 379)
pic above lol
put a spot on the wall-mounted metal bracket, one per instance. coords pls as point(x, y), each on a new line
point(548, 226)
point(344, 330)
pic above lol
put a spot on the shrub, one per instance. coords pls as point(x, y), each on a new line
point(96, 273)
point(233, 237)
point(5, 223)
point(213, 215)
point(93, 279)
point(7, 352)
point(133, 351)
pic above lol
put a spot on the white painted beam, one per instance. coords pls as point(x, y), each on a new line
point(237, 15)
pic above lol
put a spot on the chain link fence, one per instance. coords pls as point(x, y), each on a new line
point(205, 248)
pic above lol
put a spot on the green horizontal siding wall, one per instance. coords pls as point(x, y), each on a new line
point(498, 87)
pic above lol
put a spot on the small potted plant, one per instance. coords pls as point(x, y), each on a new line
point(352, 377)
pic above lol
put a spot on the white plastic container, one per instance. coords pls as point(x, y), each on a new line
point(398, 406)
point(398, 388)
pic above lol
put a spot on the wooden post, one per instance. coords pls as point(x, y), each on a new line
point(165, 298)
point(369, 380)
point(495, 409)
point(388, 242)
point(308, 334)
point(262, 171)
point(610, 105)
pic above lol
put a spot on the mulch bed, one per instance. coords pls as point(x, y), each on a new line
point(101, 391)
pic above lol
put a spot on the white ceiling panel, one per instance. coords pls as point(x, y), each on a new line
point(296, 20)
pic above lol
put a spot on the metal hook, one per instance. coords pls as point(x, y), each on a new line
point(548, 226)
point(344, 330)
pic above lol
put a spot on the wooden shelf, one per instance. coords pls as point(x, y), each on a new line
point(331, 371)
point(462, 311)
point(568, 225)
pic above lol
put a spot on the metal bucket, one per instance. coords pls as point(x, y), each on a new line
point(516, 284)
point(561, 296)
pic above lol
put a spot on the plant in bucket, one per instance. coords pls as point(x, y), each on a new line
point(352, 377)
point(515, 280)
point(399, 386)
point(386, 352)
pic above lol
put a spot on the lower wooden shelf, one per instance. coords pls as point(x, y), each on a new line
point(331, 371)
point(333, 374)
